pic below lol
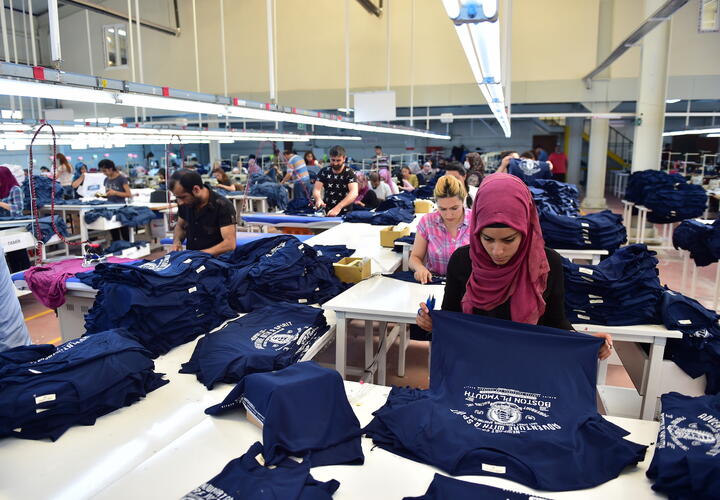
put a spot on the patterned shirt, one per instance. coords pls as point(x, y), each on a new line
point(15, 199)
point(336, 186)
point(440, 244)
point(296, 166)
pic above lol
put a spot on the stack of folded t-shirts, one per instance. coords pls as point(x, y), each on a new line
point(686, 463)
point(282, 269)
point(43, 191)
point(602, 230)
point(697, 353)
point(624, 289)
point(669, 197)
point(323, 429)
point(266, 339)
point(389, 217)
point(556, 197)
point(128, 216)
point(701, 240)
point(641, 184)
point(46, 390)
point(406, 200)
point(46, 227)
point(164, 303)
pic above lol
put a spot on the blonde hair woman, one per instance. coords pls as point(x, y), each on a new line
point(440, 233)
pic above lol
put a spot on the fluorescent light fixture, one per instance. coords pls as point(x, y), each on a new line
point(672, 101)
point(692, 132)
point(91, 95)
point(346, 110)
point(9, 114)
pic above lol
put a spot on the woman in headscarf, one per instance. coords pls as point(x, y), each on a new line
point(506, 272)
point(11, 195)
point(366, 196)
point(387, 179)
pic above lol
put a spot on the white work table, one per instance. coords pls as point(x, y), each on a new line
point(164, 446)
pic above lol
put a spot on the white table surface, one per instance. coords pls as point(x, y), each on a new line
point(164, 446)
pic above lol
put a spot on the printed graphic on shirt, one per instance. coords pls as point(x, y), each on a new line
point(529, 167)
point(158, 265)
point(207, 491)
point(281, 336)
point(680, 433)
point(501, 410)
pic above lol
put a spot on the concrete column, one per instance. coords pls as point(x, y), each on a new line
point(597, 164)
point(650, 122)
point(214, 148)
point(574, 149)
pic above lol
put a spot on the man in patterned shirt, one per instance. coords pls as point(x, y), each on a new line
point(336, 187)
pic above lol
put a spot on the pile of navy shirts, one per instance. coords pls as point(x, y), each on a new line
point(669, 197)
point(701, 240)
point(164, 303)
point(128, 216)
point(46, 390)
point(686, 464)
point(556, 197)
point(523, 410)
point(269, 338)
point(388, 217)
point(600, 231)
point(623, 289)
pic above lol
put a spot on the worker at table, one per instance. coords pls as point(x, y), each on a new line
point(336, 187)
point(506, 272)
point(13, 330)
point(205, 218)
point(442, 232)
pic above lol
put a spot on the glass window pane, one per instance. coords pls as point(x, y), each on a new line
point(110, 49)
point(709, 11)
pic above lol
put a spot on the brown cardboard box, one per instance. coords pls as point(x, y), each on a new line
point(423, 206)
point(390, 234)
point(352, 269)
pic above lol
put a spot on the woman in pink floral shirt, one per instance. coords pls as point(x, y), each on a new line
point(440, 233)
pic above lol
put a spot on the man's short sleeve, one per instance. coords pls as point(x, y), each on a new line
point(123, 181)
point(350, 175)
point(226, 214)
point(322, 176)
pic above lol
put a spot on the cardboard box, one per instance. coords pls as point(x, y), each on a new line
point(390, 234)
point(423, 206)
point(352, 269)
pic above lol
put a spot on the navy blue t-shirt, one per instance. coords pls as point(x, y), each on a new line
point(445, 488)
point(529, 170)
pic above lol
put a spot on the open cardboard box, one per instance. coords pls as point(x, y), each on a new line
point(352, 269)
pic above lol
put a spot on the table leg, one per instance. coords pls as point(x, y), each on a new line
point(685, 262)
point(83, 227)
point(602, 372)
point(404, 338)
point(595, 260)
point(406, 257)
point(264, 206)
point(693, 282)
point(382, 353)
point(649, 403)
point(340, 343)
point(369, 351)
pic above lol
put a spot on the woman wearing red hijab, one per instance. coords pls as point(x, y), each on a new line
point(506, 272)
point(11, 196)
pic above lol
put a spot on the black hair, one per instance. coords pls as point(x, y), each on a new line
point(498, 225)
point(378, 147)
point(506, 153)
point(528, 155)
point(337, 151)
point(289, 151)
point(107, 163)
point(251, 157)
point(188, 179)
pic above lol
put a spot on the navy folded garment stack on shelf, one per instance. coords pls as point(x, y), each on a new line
point(44, 392)
point(686, 463)
point(128, 215)
point(266, 339)
point(623, 289)
point(281, 269)
point(46, 227)
point(697, 353)
point(164, 303)
point(247, 478)
point(276, 194)
point(669, 197)
point(389, 217)
point(701, 240)
point(405, 200)
point(484, 415)
point(556, 197)
point(444, 488)
point(602, 230)
point(43, 191)
point(304, 412)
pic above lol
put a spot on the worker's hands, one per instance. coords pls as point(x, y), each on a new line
point(423, 318)
point(319, 204)
point(5, 206)
point(422, 275)
point(176, 247)
point(334, 212)
point(607, 347)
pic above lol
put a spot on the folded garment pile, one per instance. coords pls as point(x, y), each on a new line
point(269, 338)
point(686, 462)
point(276, 194)
point(624, 289)
point(46, 227)
point(405, 200)
point(701, 240)
point(599, 231)
point(43, 191)
point(128, 215)
point(669, 197)
point(46, 390)
point(389, 217)
point(118, 246)
point(556, 197)
point(164, 303)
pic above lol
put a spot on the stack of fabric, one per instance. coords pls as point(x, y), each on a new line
point(323, 429)
point(556, 197)
point(281, 269)
point(266, 339)
point(45, 390)
point(262, 185)
point(46, 227)
point(701, 240)
point(128, 216)
point(387, 218)
point(686, 463)
point(43, 190)
point(404, 200)
point(164, 303)
point(697, 353)
point(624, 289)
point(118, 246)
point(602, 230)
point(669, 197)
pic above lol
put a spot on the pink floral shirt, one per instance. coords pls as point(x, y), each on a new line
point(441, 244)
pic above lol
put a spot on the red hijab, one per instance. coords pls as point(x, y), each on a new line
point(505, 199)
point(7, 182)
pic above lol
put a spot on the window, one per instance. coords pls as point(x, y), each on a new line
point(115, 43)
point(709, 19)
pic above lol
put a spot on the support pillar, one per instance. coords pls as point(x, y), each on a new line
point(574, 149)
point(597, 164)
point(215, 154)
point(650, 121)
